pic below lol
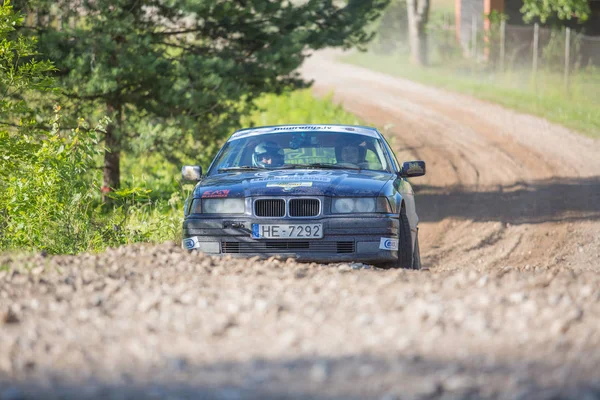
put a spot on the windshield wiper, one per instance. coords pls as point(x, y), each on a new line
point(241, 168)
point(321, 165)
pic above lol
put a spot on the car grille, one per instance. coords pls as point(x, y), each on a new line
point(297, 208)
point(269, 208)
point(286, 246)
point(304, 207)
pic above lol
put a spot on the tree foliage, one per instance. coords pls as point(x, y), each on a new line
point(180, 73)
point(562, 9)
point(44, 184)
point(20, 73)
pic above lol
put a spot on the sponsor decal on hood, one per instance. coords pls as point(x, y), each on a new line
point(289, 185)
point(215, 193)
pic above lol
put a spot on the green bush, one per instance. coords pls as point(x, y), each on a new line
point(44, 185)
point(50, 196)
point(50, 187)
point(50, 177)
point(46, 189)
point(46, 174)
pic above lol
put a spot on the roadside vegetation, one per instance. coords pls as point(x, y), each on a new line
point(86, 164)
point(478, 71)
point(579, 110)
point(52, 201)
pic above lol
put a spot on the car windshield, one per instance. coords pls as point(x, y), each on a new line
point(319, 150)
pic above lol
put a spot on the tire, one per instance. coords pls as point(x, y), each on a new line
point(416, 263)
point(405, 251)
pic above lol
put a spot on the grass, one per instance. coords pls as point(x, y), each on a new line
point(442, 6)
point(578, 110)
point(299, 107)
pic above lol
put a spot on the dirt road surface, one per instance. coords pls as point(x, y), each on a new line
point(509, 307)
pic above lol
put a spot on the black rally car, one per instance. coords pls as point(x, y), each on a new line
point(324, 193)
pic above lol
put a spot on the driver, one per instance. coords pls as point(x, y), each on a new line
point(267, 155)
point(350, 151)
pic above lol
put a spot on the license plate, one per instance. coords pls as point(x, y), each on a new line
point(295, 231)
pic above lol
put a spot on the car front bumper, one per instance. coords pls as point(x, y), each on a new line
point(347, 238)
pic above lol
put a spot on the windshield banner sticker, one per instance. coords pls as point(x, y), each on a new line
point(388, 244)
point(319, 129)
point(215, 193)
point(301, 128)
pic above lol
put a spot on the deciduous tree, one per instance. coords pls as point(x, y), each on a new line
point(563, 9)
point(418, 15)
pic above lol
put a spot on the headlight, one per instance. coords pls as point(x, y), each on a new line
point(343, 205)
point(196, 207)
point(360, 205)
point(364, 205)
point(223, 206)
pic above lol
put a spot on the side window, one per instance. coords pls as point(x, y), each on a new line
point(395, 160)
point(392, 155)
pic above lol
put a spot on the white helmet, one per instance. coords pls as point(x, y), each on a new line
point(267, 151)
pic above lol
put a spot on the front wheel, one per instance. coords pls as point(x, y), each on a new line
point(405, 258)
point(416, 262)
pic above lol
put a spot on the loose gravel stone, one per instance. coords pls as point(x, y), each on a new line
point(10, 316)
point(162, 321)
point(344, 267)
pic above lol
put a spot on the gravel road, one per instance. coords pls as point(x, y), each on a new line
point(508, 308)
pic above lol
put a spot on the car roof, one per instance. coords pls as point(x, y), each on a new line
point(261, 130)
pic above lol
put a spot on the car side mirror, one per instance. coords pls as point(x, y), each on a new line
point(191, 173)
point(411, 169)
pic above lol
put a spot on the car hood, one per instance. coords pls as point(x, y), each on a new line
point(293, 182)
